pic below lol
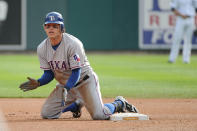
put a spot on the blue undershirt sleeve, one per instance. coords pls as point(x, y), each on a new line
point(73, 79)
point(46, 77)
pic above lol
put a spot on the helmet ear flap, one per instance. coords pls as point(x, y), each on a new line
point(62, 28)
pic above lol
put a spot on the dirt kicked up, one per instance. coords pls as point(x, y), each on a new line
point(165, 115)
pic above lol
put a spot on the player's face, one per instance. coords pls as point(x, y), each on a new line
point(53, 30)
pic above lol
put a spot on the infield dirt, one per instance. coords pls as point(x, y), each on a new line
point(165, 115)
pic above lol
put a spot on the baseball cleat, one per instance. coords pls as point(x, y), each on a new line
point(77, 113)
point(126, 106)
point(170, 61)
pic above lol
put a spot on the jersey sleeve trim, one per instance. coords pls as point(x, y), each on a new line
point(77, 66)
point(45, 68)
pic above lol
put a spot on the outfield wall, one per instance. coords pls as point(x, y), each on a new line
point(99, 24)
point(104, 24)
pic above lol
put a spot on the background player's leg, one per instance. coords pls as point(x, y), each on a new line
point(177, 37)
point(188, 41)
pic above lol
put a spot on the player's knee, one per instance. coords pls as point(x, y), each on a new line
point(46, 115)
point(43, 115)
point(99, 117)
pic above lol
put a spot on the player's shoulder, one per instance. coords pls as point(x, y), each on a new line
point(70, 39)
point(42, 46)
point(42, 43)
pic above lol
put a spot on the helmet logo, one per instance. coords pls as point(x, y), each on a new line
point(52, 18)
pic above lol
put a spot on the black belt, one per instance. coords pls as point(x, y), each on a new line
point(84, 79)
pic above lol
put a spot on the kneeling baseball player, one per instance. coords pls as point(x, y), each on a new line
point(62, 57)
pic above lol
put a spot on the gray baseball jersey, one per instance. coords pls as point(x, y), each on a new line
point(68, 56)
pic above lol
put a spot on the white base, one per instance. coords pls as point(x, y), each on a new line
point(128, 116)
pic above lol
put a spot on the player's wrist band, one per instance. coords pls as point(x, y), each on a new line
point(84, 79)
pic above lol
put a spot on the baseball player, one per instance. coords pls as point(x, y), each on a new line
point(62, 57)
point(3, 125)
point(185, 12)
point(3, 13)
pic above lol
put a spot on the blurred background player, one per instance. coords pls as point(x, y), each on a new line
point(62, 57)
point(185, 12)
point(3, 125)
point(3, 13)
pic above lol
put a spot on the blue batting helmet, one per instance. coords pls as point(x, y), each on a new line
point(54, 17)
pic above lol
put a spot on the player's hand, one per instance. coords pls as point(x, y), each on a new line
point(185, 16)
point(31, 84)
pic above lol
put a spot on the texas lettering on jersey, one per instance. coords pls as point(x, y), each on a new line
point(57, 65)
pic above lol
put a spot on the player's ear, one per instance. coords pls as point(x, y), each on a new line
point(43, 26)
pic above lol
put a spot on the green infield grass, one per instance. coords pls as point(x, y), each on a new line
point(131, 75)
